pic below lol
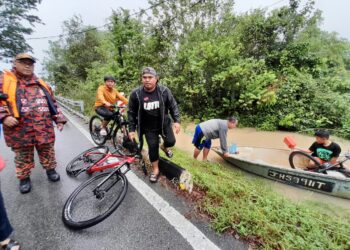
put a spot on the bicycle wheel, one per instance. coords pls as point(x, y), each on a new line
point(301, 160)
point(95, 126)
point(85, 160)
point(94, 200)
point(122, 143)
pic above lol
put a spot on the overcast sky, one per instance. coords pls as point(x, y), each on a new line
point(94, 12)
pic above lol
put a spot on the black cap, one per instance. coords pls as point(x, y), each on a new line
point(149, 70)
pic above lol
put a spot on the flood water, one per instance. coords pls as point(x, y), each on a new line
point(249, 137)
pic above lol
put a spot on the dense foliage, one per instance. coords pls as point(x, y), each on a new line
point(274, 70)
point(14, 15)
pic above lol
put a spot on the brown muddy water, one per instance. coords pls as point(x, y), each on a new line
point(249, 137)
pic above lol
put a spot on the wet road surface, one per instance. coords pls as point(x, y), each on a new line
point(136, 224)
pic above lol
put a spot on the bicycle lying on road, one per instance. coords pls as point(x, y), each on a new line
point(98, 197)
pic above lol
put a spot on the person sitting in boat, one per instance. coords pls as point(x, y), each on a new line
point(323, 149)
point(212, 129)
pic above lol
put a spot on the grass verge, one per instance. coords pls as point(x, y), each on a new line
point(255, 212)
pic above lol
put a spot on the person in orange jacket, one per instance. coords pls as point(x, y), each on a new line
point(107, 95)
point(28, 114)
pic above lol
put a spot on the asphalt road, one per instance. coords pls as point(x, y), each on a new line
point(36, 216)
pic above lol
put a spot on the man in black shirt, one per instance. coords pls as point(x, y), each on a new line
point(324, 150)
point(149, 108)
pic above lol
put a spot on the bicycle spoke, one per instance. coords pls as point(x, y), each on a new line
point(96, 198)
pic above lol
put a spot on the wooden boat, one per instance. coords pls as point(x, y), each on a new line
point(274, 164)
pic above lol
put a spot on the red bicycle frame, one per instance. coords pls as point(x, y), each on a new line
point(102, 164)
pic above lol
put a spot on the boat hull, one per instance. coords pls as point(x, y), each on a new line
point(336, 186)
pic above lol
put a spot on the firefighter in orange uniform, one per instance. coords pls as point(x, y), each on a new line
point(27, 115)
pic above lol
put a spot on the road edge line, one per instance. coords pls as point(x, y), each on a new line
point(196, 238)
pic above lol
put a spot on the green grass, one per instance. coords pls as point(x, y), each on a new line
point(255, 211)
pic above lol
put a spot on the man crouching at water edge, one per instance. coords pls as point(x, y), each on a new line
point(323, 150)
point(212, 129)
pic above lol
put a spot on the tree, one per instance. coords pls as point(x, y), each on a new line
point(13, 16)
point(73, 56)
point(79, 47)
point(128, 41)
point(275, 70)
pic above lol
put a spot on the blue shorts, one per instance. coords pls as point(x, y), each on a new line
point(199, 141)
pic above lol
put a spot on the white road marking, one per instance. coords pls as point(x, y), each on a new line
point(189, 231)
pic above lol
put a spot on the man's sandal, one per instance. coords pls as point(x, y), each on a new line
point(153, 178)
point(10, 245)
point(167, 151)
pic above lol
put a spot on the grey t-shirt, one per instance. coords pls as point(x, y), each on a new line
point(216, 128)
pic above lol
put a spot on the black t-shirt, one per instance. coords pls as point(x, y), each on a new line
point(325, 153)
point(150, 110)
